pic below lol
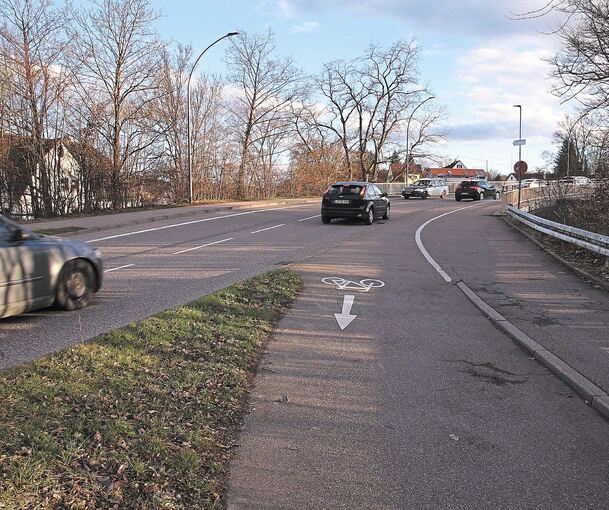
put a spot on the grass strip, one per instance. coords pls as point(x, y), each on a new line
point(58, 231)
point(142, 417)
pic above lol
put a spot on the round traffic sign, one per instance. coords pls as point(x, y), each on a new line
point(520, 168)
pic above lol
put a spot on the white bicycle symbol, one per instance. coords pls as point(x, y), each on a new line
point(361, 286)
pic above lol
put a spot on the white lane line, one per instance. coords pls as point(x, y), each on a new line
point(204, 245)
point(174, 225)
point(268, 228)
point(117, 268)
point(425, 253)
point(310, 217)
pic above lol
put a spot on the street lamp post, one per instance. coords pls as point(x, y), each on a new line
point(407, 139)
point(190, 194)
point(519, 153)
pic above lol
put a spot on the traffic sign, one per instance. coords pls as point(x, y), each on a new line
point(520, 168)
point(516, 143)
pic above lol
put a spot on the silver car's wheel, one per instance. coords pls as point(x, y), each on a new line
point(75, 285)
point(443, 194)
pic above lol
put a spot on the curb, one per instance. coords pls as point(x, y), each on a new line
point(595, 280)
point(253, 205)
point(590, 392)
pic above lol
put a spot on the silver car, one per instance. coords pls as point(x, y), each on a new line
point(424, 188)
point(37, 271)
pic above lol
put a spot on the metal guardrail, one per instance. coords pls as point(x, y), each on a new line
point(589, 240)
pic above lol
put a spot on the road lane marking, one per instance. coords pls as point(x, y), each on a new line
point(425, 253)
point(310, 217)
point(268, 228)
point(345, 318)
point(192, 222)
point(117, 268)
point(203, 246)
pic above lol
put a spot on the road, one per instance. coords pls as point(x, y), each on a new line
point(419, 402)
point(154, 266)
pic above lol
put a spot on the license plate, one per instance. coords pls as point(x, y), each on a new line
point(464, 193)
point(342, 201)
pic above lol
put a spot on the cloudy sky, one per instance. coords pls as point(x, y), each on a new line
point(478, 61)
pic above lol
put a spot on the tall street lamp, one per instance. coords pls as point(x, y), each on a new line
point(519, 153)
point(407, 140)
point(190, 196)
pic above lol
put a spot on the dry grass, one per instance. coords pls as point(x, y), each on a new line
point(144, 417)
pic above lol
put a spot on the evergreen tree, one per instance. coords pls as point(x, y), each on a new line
point(570, 163)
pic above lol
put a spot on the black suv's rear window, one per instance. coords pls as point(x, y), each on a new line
point(339, 189)
point(467, 184)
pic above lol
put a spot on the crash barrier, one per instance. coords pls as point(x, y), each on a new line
point(545, 196)
point(589, 240)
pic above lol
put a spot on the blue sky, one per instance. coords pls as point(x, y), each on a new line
point(477, 61)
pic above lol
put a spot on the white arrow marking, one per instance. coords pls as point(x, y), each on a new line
point(345, 318)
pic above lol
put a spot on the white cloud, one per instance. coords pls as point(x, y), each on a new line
point(287, 9)
point(305, 27)
point(500, 74)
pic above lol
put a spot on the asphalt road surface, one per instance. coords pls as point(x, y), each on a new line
point(154, 266)
point(419, 402)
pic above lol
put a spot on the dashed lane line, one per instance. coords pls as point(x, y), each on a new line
point(203, 246)
point(268, 228)
point(192, 222)
point(117, 268)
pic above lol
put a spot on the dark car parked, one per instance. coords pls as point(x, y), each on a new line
point(354, 200)
point(476, 190)
point(37, 271)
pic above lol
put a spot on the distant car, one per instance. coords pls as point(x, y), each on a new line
point(37, 271)
point(354, 200)
point(476, 190)
point(424, 188)
point(575, 180)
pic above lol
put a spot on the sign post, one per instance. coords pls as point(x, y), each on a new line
point(520, 168)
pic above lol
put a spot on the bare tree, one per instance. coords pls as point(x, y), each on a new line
point(33, 40)
point(581, 64)
point(116, 58)
point(266, 87)
point(367, 100)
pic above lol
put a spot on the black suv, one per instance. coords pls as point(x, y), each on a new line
point(476, 190)
point(354, 200)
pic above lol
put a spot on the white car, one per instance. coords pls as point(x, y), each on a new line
point(424, 188)
point(575, 180)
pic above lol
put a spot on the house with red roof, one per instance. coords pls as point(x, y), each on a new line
point(456, 171)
